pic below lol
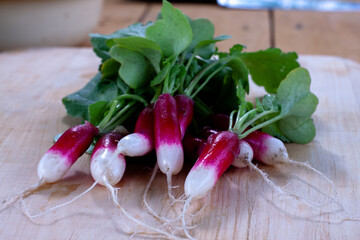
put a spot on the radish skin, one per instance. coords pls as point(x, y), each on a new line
point(245, 156)
point(185, 112)
point(217, 156)
point(141, 142)
point(62, 155)
point(267, 149)
point(105, 164)
point(167, 136)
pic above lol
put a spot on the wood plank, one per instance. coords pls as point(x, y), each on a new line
point(327, 33)
point(250, 28)
point(241, 206)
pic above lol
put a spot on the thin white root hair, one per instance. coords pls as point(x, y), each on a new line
point(284, 193)
point(169, 180)
point(186, 205)
point(20, 195)
point(114, 197)
point(198, 212)
point(26, 212)
point(308, 166)
point(150, 210)
point(311, 218)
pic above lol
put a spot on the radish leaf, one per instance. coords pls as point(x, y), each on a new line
point(146, 47)
point(135, 69)
point(172, 32)
point(77, 103)
point(268, 68)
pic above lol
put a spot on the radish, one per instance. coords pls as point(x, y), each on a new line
point(245, 156)
point(217, 156)
point(185, 111)
point(141, 142)
point(184, 114)
point(167, 135)
point(59, 158)
point(107, 168)
point(105, 165)
point(62, 155)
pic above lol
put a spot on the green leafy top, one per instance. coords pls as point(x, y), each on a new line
point(291, 110)
point(172, 32)
point(177, 55)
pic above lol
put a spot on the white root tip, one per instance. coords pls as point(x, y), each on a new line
point(200, 181)
point(52, 167)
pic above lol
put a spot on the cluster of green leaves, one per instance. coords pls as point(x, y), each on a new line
point(286, 115)
point(177, 55)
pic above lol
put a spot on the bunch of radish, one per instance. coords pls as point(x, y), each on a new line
point(169, 79)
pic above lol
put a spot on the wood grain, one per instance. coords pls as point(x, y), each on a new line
point(241, 206)
point(325, 33)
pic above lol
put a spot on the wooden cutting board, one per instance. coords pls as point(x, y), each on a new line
point(242, 205)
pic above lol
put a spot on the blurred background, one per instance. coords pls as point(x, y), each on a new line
point(305, 26)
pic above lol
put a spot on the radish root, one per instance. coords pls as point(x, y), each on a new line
point(26, 212)
point(150, 210)
point(284, 193)
point(186, 205)
point(21, 194)
point(113, 192)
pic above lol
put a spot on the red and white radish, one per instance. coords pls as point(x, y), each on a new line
point(60, 157)
point(267, 149)
point(105, 165)
point(245, 156)
point(107, 168)
point(185, 112)
point(67, 149)
point(141, 142)
point(217, 156)
point(167, 135)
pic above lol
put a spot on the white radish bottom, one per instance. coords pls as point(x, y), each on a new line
point(134, 145)
point(104, 164)
point(275, 152)
point(170, 158)
point(245, 155)
point(200, 181)
point(52, 167)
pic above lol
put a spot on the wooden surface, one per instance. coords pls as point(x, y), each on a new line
point(306, 32)
point(241, 206)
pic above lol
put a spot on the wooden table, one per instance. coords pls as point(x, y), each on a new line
point(325, 33)
point(242, 205)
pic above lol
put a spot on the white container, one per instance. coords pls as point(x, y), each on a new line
point(47, 22)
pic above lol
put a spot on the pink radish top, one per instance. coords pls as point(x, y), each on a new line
point(166, 124)
point(74, 142)
point(145, 123)
point(185, 112)
point(108, 141)
point(219, 152)
point(257, 140)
